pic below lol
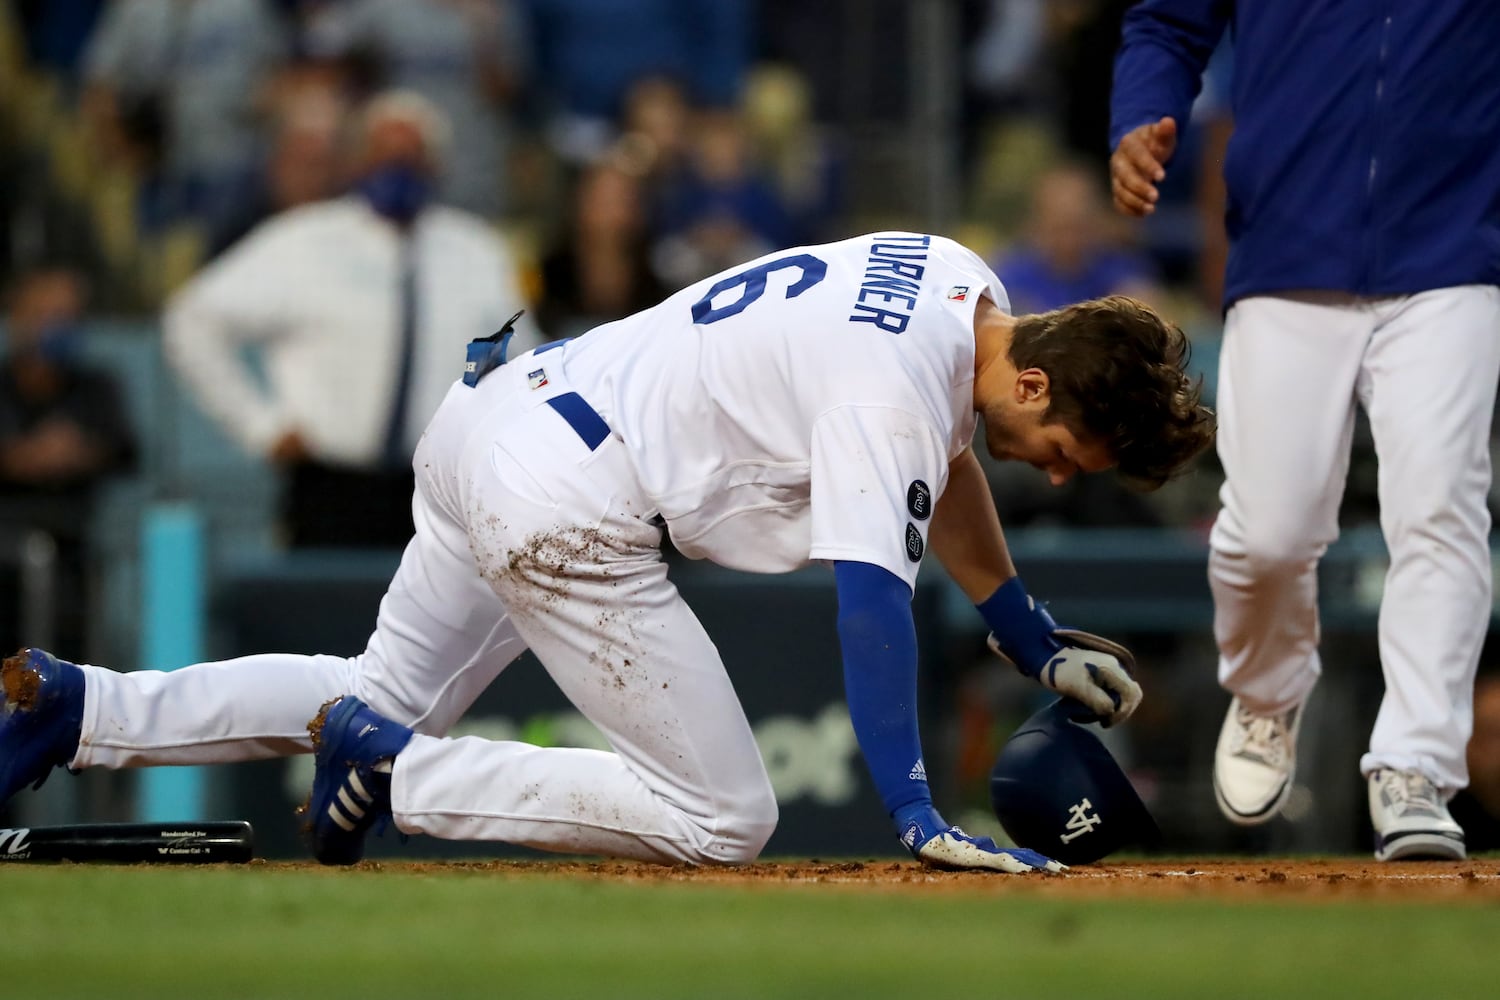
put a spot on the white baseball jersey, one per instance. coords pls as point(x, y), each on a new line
point(803, 406)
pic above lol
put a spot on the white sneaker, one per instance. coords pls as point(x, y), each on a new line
point(1410, 818)
point(1254, 763)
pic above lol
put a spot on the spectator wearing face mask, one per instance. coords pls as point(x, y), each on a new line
point(361, 308)
point(1068, 252)
point(63, 431)
point(468, 57)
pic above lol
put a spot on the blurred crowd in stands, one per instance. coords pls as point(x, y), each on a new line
point(684, 134)
point(617, 151)
point(411, 172)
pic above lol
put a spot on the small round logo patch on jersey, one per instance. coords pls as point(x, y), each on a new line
point(913, 543)
point(919, 500)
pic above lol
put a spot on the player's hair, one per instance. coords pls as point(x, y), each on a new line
point(1117, 373)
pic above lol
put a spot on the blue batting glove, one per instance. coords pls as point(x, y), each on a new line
point(932, 841)
point(1076, 664)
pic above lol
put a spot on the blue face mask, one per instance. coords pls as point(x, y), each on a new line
point(58, 343)
point(397, 191)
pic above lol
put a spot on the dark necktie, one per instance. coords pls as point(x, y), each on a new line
point(395, 455)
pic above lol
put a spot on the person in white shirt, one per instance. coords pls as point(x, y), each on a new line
point(818, 404)
point(359, 306)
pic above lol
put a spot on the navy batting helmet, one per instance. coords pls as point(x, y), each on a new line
point(1057, 790)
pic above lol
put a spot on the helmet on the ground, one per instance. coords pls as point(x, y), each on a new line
point(1056, 789)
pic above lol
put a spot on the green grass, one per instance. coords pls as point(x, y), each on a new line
point(203, 934)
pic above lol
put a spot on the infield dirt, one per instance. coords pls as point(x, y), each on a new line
point(1338, 878)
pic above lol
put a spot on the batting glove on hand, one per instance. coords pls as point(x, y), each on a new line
point(1089, 669)
point(1079, 665)
point(933, 842)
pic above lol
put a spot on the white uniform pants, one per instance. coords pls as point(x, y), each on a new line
point(1424, 367)
point(524, 537)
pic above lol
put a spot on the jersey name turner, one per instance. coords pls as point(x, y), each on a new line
point(777, 413)
point(893, 275)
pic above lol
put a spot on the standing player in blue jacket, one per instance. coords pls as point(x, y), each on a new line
point(1363, 215)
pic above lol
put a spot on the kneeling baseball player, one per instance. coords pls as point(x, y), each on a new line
point(816, 404)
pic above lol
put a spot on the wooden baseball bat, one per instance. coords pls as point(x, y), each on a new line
point(190, 843)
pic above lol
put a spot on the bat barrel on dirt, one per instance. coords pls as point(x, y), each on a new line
point(191, 843)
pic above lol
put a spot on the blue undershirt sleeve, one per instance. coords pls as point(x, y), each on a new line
point(879, 643)
point(1164, 47)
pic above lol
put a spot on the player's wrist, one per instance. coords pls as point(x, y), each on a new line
point(917, 823)
point(1021, 626)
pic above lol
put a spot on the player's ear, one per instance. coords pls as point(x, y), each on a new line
point(1033, 387)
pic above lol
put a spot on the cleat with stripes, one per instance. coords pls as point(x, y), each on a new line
point(351, 790)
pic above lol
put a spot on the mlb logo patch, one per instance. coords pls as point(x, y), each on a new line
point(958, 293)
point(537, 378)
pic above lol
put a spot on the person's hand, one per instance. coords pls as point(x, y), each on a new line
point(55, 451)
point(289, 449)
point(933, 842)
point(1139, 163)
point(1077, 664)
point(1089, 669)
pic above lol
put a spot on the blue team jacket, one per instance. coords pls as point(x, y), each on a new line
point(1366, 149)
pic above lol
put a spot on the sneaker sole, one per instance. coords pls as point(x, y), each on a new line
point(1421, 845)
point(1270, 812)
point(20, 681)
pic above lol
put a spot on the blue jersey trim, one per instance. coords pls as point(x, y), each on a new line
point(582, 417)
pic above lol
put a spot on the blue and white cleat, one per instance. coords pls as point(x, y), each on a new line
point(41, 717)
point(351, 790)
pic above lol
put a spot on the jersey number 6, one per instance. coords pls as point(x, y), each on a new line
point(754, 282)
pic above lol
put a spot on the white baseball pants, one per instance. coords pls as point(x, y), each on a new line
point(1424, 368)
point(525, 536)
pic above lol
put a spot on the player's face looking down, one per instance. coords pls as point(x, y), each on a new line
point(1016, 429)
point(1098, 385)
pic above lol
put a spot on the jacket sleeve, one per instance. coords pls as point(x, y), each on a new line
point(1164, 47)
